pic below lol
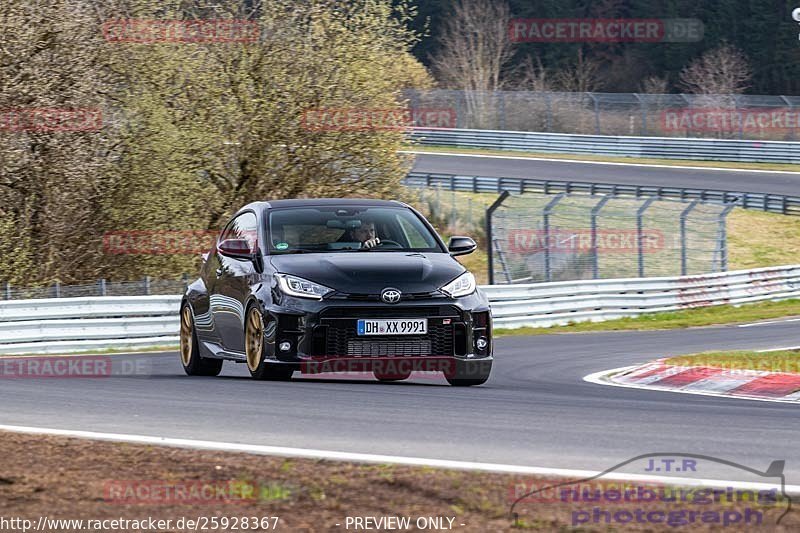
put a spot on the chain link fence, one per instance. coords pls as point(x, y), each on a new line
point(453, 212)
point(767, 117)
point(535, 238)
point(144, 287)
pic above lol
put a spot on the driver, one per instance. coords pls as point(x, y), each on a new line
point(365, 234)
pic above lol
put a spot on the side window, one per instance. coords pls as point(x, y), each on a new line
point(414, 237)
point(245, 226)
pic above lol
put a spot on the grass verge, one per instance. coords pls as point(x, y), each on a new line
point(105, 351)
point(707, 316)
point(780, 361)
point(63, 478)
point(610, 159)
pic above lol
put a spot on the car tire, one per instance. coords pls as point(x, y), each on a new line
point(254, 343)
point(193, 364)
point(391, 376)
point(469, 373)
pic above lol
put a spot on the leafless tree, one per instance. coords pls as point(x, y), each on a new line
point(654, 85)
point(474, 50)
point(717, 77)
point(723, 70)
point(583, 76)
point(533, 76)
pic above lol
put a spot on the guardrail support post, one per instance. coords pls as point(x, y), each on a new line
point(595, 255)
point(489, 238)
point(147, 285)
point(101, 283)
point(548, 275)
point(640, 233)
point(684, 216)
point(57, 289)
point(7, 290)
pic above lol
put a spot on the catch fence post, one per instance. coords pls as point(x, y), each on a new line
point(489, 238)
point(595, 255)
point(723, 236)
point(548, 209)
point(684, 215)
point(640, 233)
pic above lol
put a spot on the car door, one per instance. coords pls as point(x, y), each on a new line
point(231, 285)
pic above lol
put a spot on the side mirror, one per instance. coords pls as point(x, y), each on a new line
point(461, 246)
point(238, 248)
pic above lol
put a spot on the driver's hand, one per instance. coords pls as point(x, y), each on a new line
point(371, 243)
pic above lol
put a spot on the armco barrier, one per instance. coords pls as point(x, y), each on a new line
point(774, 203)
point(642, 147)
point(65, 325)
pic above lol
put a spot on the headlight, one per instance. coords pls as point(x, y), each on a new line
point(463, 285)
point(302, 288)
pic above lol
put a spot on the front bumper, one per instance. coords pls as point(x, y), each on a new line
point(315, 331)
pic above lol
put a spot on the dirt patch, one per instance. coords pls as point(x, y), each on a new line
point(62, 478)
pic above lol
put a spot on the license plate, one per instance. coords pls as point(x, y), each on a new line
point(393, 326)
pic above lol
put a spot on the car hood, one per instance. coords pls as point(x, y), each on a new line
point(371, 272)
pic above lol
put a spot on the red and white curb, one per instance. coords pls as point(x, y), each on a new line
point(704, 380)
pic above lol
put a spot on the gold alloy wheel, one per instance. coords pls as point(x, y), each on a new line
point(254, 339)
point(186, 336)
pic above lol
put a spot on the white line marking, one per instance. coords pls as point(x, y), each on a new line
point(585, 162)
point(306, 453)
point(779, 349)
point(600, 378)
point(768, 322)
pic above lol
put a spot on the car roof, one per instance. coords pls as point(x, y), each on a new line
point(308, 202)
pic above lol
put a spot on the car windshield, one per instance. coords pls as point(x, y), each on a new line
point(349, 229)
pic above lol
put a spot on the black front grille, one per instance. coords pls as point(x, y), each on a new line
point(341, 338)
point(388, 347)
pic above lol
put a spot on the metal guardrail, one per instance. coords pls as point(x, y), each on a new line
point(641, 147)
point(60, 325)
point(76, 324)
point(551, 304)
point(774, 203)
point(741, 116)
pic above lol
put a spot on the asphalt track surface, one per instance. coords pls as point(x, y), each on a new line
point(535, 410)
point(785, 183)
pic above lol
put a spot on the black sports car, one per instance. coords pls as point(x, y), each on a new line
point(342, 285)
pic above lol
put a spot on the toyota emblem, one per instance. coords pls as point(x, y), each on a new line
point(390, 296)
